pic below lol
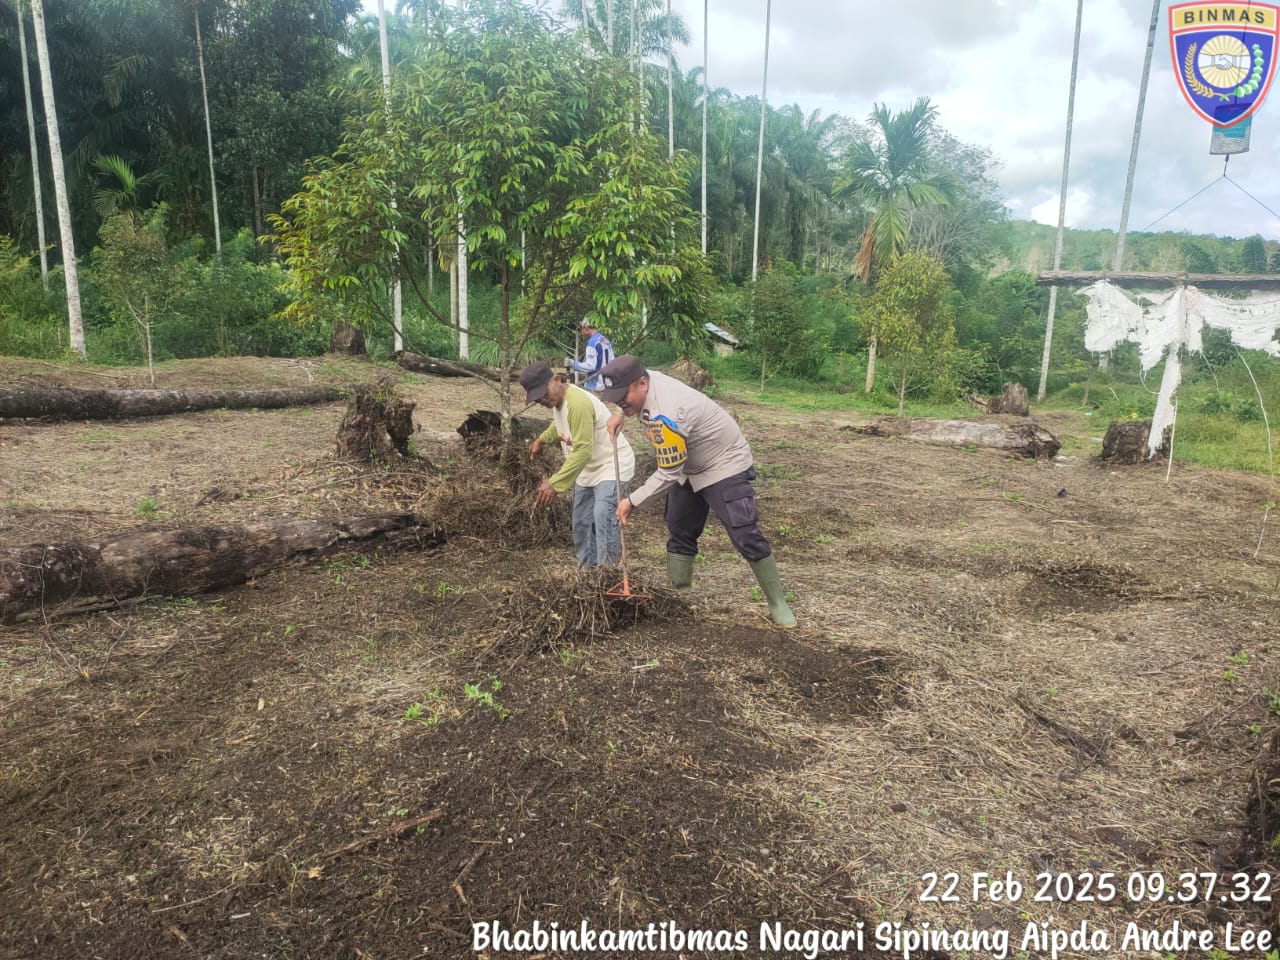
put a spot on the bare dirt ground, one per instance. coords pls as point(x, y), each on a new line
point(1002, 666)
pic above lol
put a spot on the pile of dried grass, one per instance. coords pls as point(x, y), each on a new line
point(498, 503)
point(558, 610)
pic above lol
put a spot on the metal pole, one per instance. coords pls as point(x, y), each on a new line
point(755, 243)
point(1117, 266)
point(1062, 205)
point(706, 93)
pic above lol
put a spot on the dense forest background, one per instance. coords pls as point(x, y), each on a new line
point(876, 234)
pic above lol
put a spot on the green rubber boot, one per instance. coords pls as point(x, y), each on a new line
point(766, 572)
point(680, 571)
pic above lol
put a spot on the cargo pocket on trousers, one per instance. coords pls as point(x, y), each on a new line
point(741, 509)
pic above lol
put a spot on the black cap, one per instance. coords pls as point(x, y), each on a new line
point(619, 374)
point(535, 378)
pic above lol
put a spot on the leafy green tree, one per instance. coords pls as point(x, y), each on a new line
point(889, 172)
point(777, 323)
point(909, 307)
point(500, 123)
point(1196, 259)
point(1253, 255)
point(138, 278)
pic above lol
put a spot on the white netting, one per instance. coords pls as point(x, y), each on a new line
point(1164, 323)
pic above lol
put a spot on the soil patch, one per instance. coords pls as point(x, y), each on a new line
point(1000, 665)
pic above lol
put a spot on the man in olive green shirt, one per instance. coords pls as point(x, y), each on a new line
point(579, 421)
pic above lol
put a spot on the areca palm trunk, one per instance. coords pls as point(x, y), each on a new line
point(464, 346)
point(208, 128)
point(35, 150)
point(397, 303)
point(75, 320)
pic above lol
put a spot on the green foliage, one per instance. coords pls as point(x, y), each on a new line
point(916, 324)
point(1253, 255)
point(30, 317)
point(777, 325)
point(499, 124)
point(889, 171)
point(139, 280)
point(476, 693)
point(1225, 403)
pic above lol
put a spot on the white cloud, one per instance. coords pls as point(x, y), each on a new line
point(999, 73)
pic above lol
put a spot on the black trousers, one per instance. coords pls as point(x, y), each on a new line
point(734, 501)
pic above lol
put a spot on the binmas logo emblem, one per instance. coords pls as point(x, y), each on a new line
point(1224, 56)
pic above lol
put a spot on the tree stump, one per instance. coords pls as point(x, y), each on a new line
point(375, 427)
point(346, 340)
point(1013, 401)
point(1126, 442)
point(692, 374)
point(482, 436)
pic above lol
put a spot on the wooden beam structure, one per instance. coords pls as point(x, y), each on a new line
point(1207, 281)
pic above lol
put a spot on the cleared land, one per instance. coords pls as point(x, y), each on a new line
point(1002, 665)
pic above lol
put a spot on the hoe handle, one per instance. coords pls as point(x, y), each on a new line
point(622, 535)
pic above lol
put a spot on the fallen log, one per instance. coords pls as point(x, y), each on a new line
point(419, 363)
point(52, 578)
point(72, 403)
point(1023, 438)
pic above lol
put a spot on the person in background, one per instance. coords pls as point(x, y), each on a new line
point(704, 463)
point(580, 422)
point(595, 354)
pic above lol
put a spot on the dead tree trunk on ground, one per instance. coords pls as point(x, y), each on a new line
point(51, 578)
point(446, 368)
point(1022, 438)
point(69, 403)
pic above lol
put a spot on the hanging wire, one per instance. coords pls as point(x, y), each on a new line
point(1188, 200)
point(1250, 195)
point(1223, 176)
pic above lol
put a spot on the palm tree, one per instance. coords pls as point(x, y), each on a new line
point(124, 190)
point(890, 173)
point(35, 152)
point(75, 320)
point(654, 29)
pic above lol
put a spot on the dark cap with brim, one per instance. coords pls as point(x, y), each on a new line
point(618, 375)
point(535, 379)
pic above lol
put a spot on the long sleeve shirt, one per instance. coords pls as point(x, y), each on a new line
point(580, 423)
point(595, 355)
point(695, 439)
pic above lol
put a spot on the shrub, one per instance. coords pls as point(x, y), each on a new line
point(31, 318)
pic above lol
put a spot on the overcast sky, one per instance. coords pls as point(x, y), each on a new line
point(999, 71)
